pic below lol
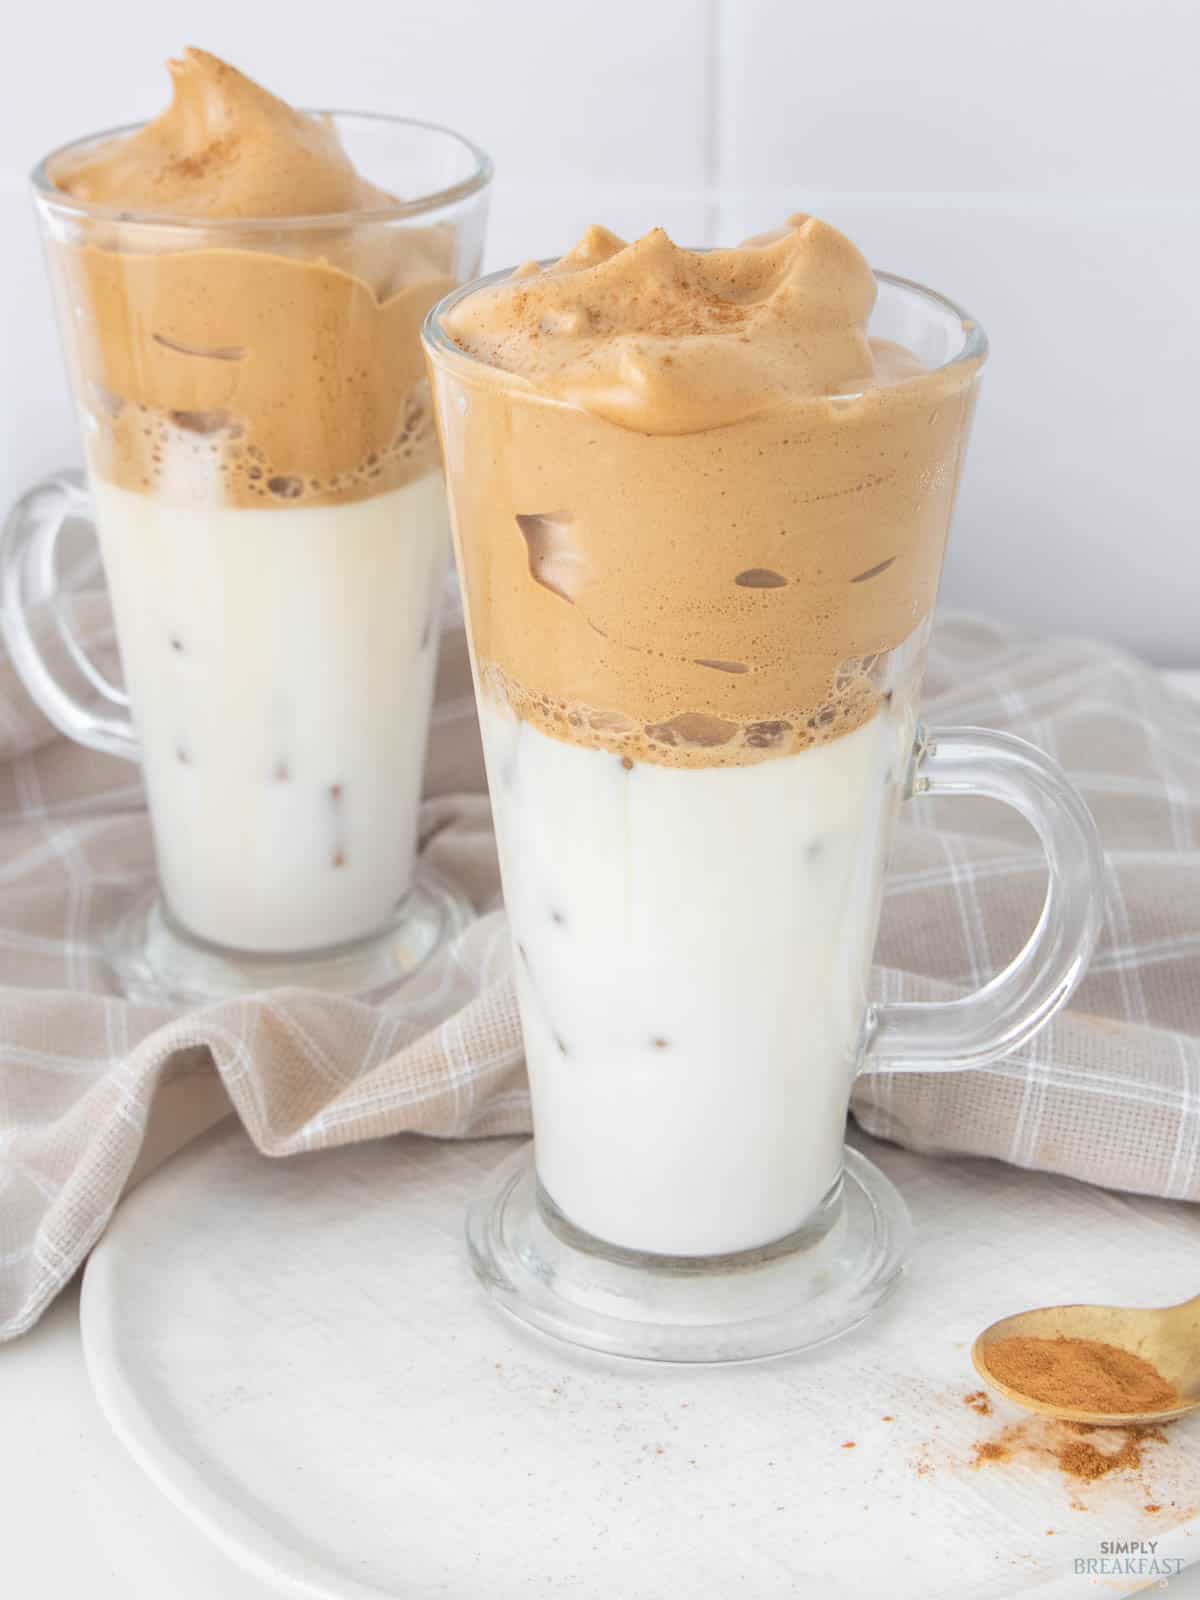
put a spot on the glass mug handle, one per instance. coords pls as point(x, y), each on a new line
point(952, 1035)
point(28, 579)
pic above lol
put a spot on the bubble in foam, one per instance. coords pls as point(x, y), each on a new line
point(201, 422)
point(874, 572)
point(767, 735)
point(286, 488)
point(693, 728)
point(234, 352)
point(856, 670)
point(554, 560)
point(760, 578)
point(612, 722)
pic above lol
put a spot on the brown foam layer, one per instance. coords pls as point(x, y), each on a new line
point(224, 148)
point(291, 370)
point(677, 530)
point(672, 341)
point(295, 376)
point(698, 739)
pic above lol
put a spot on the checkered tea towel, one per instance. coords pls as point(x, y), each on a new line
point(94, 1091)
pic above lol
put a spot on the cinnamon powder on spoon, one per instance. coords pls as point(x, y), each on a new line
point(1080, 1375)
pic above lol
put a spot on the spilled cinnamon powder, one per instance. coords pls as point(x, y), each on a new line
point(992, 1450)
point(1080, 1375)
point(1081, 1459)
point(1072, 1447)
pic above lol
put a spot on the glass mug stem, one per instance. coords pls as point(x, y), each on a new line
point(28, 551)
point(971, 1030)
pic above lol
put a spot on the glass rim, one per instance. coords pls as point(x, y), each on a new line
point(55, 199)
point(973, 352)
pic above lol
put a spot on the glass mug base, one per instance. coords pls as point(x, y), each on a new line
point(796, 1293)
point(156, 962)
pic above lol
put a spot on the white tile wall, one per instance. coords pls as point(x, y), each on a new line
point(959, 95)
point(1033, 159)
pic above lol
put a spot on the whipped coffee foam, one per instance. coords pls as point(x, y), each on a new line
point(697, 503)
point(664, 340)
point(290, 365)
point(224, 148)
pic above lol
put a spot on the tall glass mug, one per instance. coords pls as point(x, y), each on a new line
point(694, 894)
point(264, 479)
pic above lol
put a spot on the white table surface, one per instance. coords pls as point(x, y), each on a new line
point(77, 1519)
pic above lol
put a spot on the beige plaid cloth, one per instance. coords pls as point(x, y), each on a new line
point(94, 1091)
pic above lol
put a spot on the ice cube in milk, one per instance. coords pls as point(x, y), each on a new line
point(692, 950)
point(279, 664)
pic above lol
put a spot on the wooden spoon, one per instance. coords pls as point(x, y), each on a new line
point(1168, 1337)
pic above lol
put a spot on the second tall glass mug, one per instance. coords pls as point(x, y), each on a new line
point(694, 892)
point(265, 482)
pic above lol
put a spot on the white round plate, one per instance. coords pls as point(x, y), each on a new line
point(297, 1354)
